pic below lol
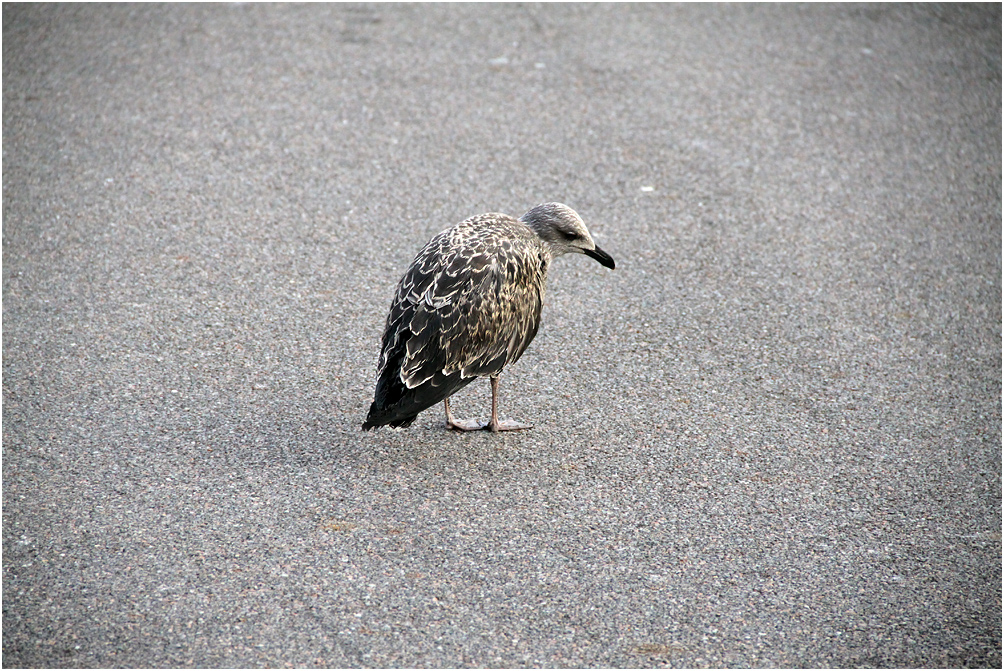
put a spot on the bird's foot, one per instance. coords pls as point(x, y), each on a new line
point(465, 425)
point(507, 425)
point(475, 425)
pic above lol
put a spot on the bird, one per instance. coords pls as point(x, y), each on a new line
point(467, 307)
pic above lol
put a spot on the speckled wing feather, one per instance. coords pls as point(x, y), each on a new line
point(483, 306)
point(468, 306)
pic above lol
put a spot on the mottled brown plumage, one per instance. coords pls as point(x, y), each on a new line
point(467, 307)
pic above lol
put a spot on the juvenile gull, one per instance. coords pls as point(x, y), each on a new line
point(467, 307)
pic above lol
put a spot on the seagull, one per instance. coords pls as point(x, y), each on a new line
point(468, 307)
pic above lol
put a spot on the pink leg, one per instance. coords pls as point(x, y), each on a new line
point(506, 425)
point(461, 424)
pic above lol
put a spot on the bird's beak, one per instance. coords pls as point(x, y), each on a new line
point(601, 256)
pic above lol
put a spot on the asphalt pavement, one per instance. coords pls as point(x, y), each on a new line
point(770, 437)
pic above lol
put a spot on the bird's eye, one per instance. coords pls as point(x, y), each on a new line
point(569, 235)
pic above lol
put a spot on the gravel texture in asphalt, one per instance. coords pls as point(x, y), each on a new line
point(770, 437)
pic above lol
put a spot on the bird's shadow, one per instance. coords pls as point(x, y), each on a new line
point(319, 435)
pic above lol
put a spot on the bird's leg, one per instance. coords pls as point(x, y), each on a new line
point(506, 425)
point(461, 424)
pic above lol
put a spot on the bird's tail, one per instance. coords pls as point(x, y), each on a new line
point(396, 405)
point(383, 417)
point(387, 397)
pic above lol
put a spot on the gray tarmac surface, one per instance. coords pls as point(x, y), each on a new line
point(770, 437)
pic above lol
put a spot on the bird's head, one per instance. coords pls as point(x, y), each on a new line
point(563, 231)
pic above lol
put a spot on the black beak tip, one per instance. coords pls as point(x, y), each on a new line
point(605, 259)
